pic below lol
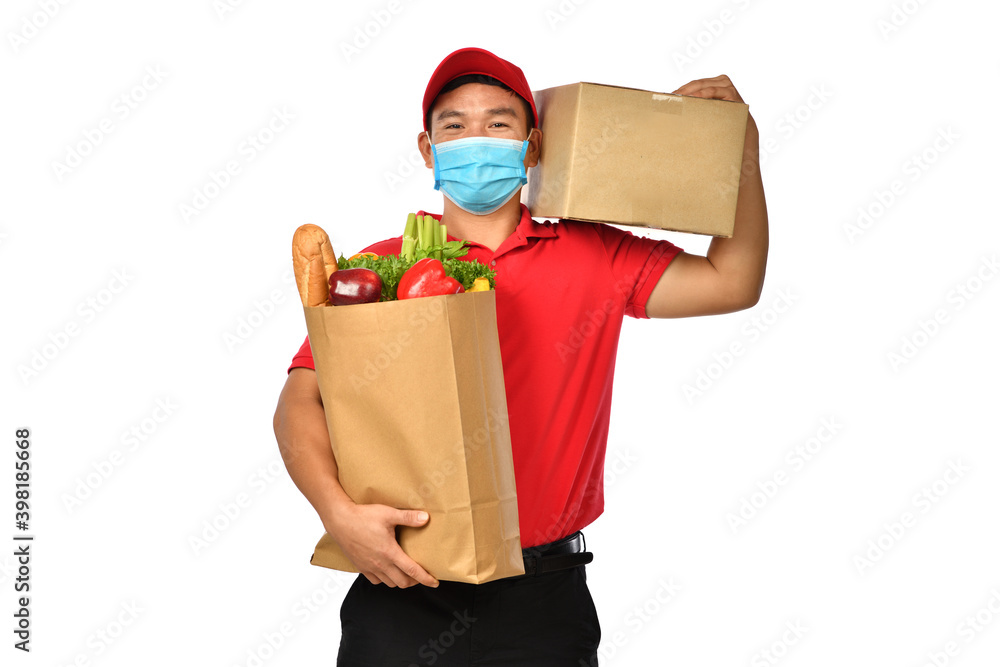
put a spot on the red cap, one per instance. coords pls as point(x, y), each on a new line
point(477, 61)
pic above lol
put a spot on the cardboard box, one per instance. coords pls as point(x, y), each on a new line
point(636, 157)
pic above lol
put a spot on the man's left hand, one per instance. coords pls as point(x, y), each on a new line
point(716, 88)
point(731, 276)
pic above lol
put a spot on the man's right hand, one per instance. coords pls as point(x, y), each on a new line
point(367, 535)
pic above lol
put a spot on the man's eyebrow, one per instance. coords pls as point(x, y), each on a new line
point(496, 111)
point(450, 113)
point(502, 111)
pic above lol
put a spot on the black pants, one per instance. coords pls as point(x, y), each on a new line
point(545, 621)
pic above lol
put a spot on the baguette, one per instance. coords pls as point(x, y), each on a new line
point(315, 262)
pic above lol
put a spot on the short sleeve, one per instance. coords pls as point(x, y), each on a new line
point(303, 358)
point(636, 263)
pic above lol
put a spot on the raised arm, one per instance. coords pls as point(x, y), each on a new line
point(366, 533)
point(731, 276)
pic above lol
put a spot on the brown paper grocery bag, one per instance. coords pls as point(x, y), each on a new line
point(417, 414)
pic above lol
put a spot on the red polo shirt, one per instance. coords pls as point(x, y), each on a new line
point(562, 290)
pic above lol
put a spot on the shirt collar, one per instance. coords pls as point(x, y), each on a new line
point(526, 229)
point(531, 229)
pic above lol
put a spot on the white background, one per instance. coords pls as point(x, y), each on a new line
point(847, 105)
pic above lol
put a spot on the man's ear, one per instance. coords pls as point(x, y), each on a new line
point(424, 146)
point(534, 148)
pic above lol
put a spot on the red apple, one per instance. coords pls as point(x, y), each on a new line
point(350, 286)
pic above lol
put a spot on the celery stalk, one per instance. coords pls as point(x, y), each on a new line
point(429, 234)
point(409, 237)
point(421, 233)
point(439, 254)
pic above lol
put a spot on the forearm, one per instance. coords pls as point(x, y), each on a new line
point(304, 443)
point(365, 533)
point(741, 259)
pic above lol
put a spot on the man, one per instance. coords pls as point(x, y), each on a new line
point(480, 135)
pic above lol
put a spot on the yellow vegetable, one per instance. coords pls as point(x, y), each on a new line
point(480, 285)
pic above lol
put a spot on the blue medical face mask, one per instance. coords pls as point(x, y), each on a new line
point(479, 174)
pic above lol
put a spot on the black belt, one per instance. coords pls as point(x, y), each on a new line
point(570, 551)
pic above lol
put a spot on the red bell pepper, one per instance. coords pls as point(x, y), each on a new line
point(426, 278)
